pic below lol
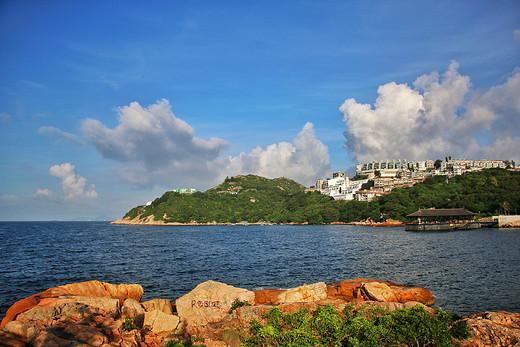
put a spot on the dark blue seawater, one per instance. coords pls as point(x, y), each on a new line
point(467, 271)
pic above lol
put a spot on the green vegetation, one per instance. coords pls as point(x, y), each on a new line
point(256, 199)
point(236, 304)
point(128, 324)
point(188, 343)
point(365, 327)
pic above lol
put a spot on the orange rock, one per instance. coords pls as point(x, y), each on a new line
point(103, 289)
point(346, 290)
point(88, 288)
point(350, 290)
point(267, 296)
point(304, 293)
point(378, 291)
point(415, 294)
point(22, 306)
point(493, 329)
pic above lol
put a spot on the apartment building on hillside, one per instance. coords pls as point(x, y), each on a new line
point(339, 186)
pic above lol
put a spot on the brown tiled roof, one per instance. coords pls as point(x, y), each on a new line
point(442, 212)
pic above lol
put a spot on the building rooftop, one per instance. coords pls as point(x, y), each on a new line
point(442, 212)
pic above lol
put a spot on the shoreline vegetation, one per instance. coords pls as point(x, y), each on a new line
point(250, 199)
point(357, 312)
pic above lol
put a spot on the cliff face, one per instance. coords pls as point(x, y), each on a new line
point(97, 313)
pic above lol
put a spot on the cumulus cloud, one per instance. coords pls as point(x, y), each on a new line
point(72, 184)
point(151, 136)
point(304, 160)
point(439, 116)
point(154, 147)
point(58, 134)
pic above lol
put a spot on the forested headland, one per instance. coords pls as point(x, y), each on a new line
point(256, 199)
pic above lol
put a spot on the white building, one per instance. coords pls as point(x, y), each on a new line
point(368, 195)
point(340, 187)
point(387, 168)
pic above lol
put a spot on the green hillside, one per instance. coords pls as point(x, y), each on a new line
point(242, 198)
point(254, 199)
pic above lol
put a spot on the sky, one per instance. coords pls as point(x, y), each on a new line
point(106, 105)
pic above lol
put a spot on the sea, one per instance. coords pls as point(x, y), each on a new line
point(467, 271)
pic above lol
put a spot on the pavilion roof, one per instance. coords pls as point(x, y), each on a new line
point(442, 212)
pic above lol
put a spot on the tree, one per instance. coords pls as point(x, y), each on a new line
point(368, 185)
point(437, 164)
point(359, 177)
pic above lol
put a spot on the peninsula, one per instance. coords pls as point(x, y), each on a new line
point(255, 199)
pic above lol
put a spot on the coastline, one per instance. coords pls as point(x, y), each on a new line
point(151, 221)
point(388, 223)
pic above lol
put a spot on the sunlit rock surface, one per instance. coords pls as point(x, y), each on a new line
point(95, 313)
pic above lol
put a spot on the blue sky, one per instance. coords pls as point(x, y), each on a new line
point(105, 105)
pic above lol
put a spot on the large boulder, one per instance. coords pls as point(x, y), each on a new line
point(65, 321)
point(305, 293)
point(103, 289)
point(131, 308)
point(378, 292)
point(84, 289)
point(75, 307)
point(210, 302)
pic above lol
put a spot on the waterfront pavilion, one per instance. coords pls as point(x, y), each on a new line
point(442, 214)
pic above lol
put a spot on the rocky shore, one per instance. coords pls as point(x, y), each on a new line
point(95, 313)
point(150, 220)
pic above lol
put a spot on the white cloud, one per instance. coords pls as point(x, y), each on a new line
point(151, 136)
point(305, 160)
point(154, 147)
point(516, 36)
point(43, 192)
point(72, 184)
point(441, 116)
point(58, 134)
point(8, 197)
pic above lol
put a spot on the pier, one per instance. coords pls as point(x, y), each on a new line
point(449, 226)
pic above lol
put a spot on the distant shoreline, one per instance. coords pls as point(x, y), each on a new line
point(391, 223)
